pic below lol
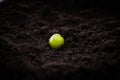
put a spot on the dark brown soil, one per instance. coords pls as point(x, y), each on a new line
point(92, 41)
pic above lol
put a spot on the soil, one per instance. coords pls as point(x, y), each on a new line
point(92, 41)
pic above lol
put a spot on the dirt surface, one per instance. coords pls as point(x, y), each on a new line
point(91, 50)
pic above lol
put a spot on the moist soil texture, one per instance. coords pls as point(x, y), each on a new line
point(92, 41)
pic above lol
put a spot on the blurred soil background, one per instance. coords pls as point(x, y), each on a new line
point(91, 29)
